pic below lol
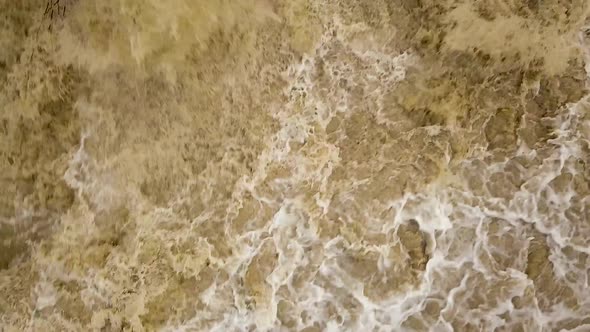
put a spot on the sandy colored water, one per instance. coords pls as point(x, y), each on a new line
point(301, 165)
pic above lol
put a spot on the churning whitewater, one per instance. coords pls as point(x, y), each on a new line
point(294, 165)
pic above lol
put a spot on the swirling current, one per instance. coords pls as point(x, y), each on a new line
point(294, 165)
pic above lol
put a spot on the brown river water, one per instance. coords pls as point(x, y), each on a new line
point(294, 165)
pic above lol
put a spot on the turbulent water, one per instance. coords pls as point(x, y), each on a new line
point(294, 165)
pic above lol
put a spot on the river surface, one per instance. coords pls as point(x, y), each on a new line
point(294, 165)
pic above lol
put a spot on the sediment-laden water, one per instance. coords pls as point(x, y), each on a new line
point(301, 165)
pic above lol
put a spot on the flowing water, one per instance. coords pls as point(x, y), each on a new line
point(294, 165)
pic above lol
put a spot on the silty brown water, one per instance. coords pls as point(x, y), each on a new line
point(303, 165)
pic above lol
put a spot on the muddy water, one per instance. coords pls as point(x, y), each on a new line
point(302, 165)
